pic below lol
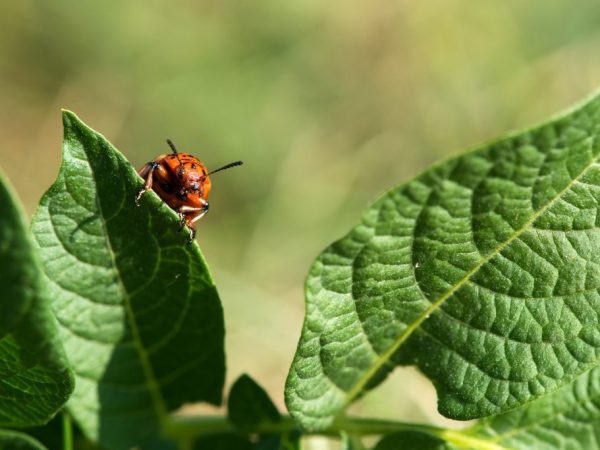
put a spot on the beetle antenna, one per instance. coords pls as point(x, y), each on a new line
point(226, 166)
point(175, 152)
point(170, 142)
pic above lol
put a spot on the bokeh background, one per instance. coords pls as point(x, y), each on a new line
point(328, 104)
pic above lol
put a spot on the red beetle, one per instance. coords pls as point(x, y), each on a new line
point(182, 182)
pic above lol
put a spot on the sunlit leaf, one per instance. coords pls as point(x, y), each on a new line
point(139, 313)
point(35, 380)
point(484, 272)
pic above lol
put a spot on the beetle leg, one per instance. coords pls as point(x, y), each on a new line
point(185, 209)
point(190, 215)
point(194, 213)
point(181, 220)
point(146, 172)
point(143, 172)
point(193, 218)
point(196, 217)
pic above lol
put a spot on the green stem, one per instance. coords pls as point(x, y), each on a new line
point(188, 427)
point(67, 431)
point(353, 441)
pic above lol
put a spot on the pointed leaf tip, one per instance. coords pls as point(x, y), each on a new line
point(128, 290)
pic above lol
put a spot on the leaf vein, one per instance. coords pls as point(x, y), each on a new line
point(384, 357)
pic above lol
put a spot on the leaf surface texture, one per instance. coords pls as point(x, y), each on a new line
point(483, 272)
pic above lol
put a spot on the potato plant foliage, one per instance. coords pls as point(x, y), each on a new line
point(483, 272)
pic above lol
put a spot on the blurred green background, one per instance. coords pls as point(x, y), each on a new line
point(328, 104)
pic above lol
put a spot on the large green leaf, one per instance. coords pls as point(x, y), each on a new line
point(483, 272)
point(35, 380)
point(139, 313)
point(13, 440)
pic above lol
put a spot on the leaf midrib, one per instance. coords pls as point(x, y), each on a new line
point(383, 358)
point(153, 385)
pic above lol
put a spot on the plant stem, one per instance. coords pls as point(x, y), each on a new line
point(67, 431)
point(188, 427)
point(196, 425)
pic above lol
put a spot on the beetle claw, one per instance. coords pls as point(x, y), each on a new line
point(181, 222)
point(139, 196)
point(192, 236)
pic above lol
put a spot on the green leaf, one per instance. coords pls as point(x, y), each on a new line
point(249, 406)
point(568, 418)
point(14, 440)
point(250, 409)
point(484, 272)
point(139, 313)
point(35, 380)
point(412, 440)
